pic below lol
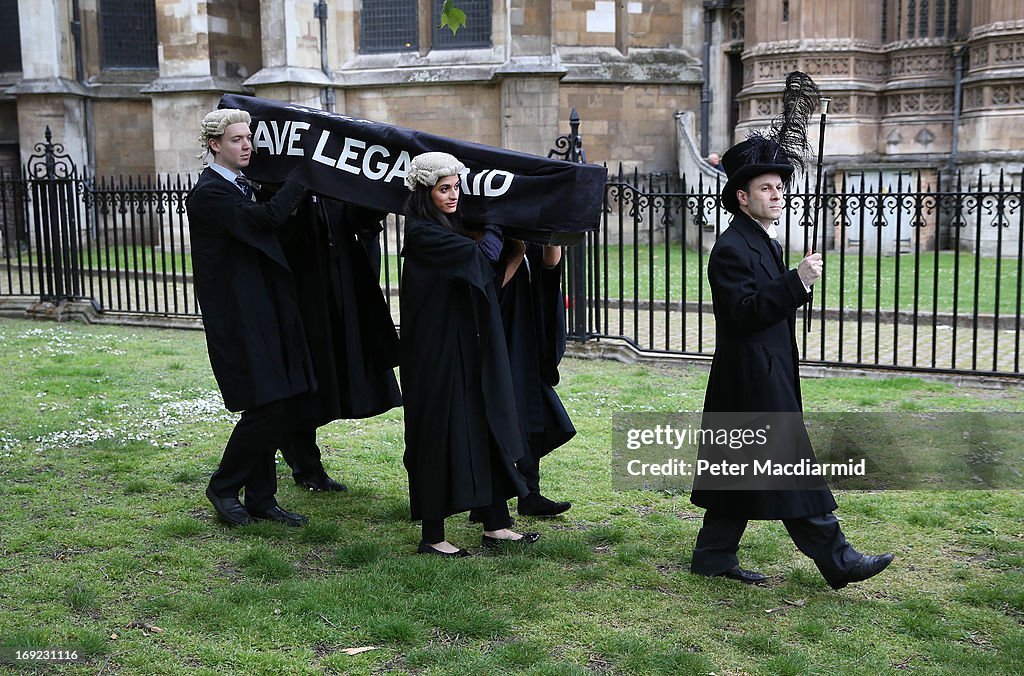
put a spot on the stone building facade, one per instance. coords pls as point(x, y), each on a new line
point(914, 83)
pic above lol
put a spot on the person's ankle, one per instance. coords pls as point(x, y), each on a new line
point(443, 546)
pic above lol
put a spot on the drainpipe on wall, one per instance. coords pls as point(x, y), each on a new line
point(320, 12)
point(705, 89)
point(76, 34)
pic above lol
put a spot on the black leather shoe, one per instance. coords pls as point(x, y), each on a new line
point(494, 543)
point(536, 504)
point(279, 515)
point(744, 576)
point(230, 510)
point(867, 566)
point(323, 484)
point(425, 548)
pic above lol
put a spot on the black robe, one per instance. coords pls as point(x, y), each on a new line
point(533, 314)
point(755, 367)
point(462, 435)
point(246, 293)
point(351, 336)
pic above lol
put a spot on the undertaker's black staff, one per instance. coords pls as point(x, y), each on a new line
point(818, 206)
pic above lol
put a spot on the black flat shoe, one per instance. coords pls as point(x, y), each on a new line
point(744, 576)
point(425, 548)
point(230, 510)
point(494, 543)
point(322, 485)
point(867, 566)
point(279, 515)
point(536, 504)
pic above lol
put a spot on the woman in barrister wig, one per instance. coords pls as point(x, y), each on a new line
point(462, 435)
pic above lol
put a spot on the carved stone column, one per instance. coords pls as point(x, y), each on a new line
point(206, 49)
point(291, 53)
point(48, 94)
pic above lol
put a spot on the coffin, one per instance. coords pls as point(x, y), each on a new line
point(536, 198)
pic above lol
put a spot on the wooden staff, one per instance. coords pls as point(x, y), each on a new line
point(809, 309)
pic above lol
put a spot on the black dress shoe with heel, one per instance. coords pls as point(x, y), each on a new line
point(230, 510)
point(493, 543)
point(536, 504)
point(324, 484)
point(738, 574)
point(426, 548)
point(279, 515)
point(868, 566)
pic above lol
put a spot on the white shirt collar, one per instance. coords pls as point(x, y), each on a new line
point(225, 172)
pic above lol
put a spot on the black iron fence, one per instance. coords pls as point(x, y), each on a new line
point(121, 243)
point(922, 272)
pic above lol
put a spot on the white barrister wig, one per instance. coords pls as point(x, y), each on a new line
point(427, 168)
point(216, 122)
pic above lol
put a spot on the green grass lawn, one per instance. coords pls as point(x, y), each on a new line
point(643, 273)
point(107, 545)
point(125, 257)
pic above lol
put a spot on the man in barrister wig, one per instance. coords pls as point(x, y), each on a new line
point(254, 332)
point(334, 253)
point(755, 366)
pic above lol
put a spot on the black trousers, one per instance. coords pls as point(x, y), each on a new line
point(530, 469)
point(494, 517)
point(818, 537)
point(303, 455)
point(248, 460)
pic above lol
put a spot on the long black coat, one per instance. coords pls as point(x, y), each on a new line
point(755, 367)
point(462, 435)
point(351, 336)
point(533, 314)
point(246, 293)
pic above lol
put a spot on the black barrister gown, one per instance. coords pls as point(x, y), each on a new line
point(462, 435)
point(755, 367)
point(348, 325)
point(533, 314)
point(246, 293)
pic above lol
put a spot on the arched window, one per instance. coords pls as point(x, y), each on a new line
point(127, 34)
point(737, 26)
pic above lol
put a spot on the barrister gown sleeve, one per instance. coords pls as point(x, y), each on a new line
point(351, 337)
point(462, 434)
point(533, 315)
point(246, 292)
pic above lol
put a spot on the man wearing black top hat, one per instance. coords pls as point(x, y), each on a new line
point(755, 369)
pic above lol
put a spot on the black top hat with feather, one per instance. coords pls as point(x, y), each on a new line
point(780, 150)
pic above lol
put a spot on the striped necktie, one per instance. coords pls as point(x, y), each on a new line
point(244, 186)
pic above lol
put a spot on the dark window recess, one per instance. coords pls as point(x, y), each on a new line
point(389, 26)
point(922, 30)
point(885, 21)
point(476, 32)
point(128, 34)
point(10, 38)
point(785, 11)
point(940, 18)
